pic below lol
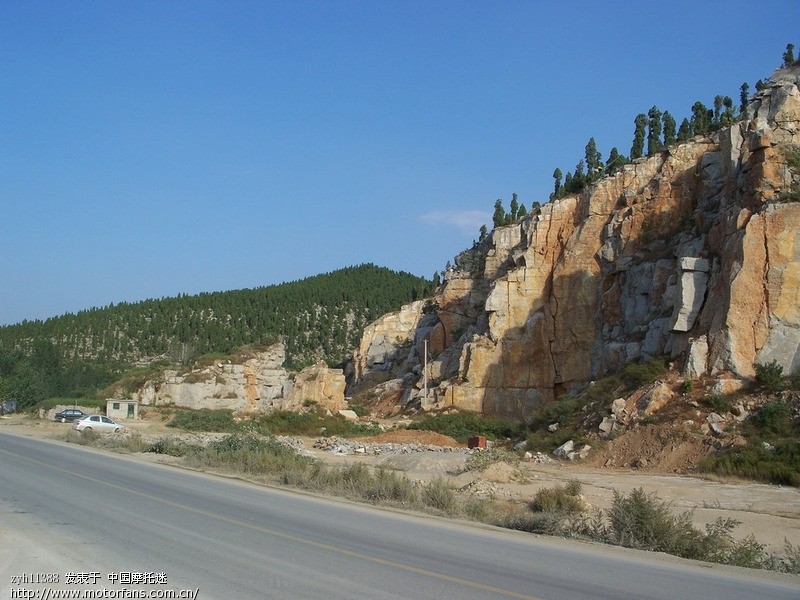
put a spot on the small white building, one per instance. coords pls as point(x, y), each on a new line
point(122, 409)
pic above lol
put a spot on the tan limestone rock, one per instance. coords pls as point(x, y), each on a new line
point(320, 386)
point(683, 255)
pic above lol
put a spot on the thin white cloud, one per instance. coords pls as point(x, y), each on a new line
point(466, 221)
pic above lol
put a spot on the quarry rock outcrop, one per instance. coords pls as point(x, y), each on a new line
point(255, 384)
point(388, 345)
point(690, 254)
point(319, 386)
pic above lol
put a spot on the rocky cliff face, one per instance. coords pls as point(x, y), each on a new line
point(688, 254)
point(257, 383)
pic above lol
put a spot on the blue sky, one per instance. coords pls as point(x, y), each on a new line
point(154, 148)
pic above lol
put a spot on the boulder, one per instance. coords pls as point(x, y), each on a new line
point(564, 450)
point(608, 424)
point(656, 398)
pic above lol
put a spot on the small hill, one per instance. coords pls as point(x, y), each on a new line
point(317, 318)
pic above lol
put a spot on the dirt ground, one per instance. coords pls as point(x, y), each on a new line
point(770, 513)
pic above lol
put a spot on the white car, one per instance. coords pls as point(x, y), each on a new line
point(97, 423)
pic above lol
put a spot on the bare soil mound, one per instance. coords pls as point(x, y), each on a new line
point(413, 436)
point(503, 473)
point(655, 448)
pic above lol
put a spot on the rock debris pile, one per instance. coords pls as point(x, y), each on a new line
point(344, 446)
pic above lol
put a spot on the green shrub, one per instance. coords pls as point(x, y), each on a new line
point(560, 411)
point(358, 409)
point(794, 382)
point(775, 417)
point(780, 465)
point(543, 523)
point(82, 438)
point(566, 413)
point(745, 553)
point(353, 481)
point(357, 482)
point(247, 453)
point(603, 391)
point(132, 443)
point(686, 386)
point(245, 441)
point(547, 441)
point(462, 426)
point(790, 562)
point(559, 499)
point(314, 423)
point(644, 521)
point(169, 446)
point(769, 376)
point(635, 375)
point(718, 545)
point(133, 380)
point(437, 494)
point(391, 486)
point(718, 403)
point(285, 422)
point(791, 154)
point(632, 376)
point(478, 509)
point(203, 420)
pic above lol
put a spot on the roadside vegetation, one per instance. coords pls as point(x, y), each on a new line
point(772, 454)
point(462, 426)
point(635, 520)
point(280, 422)
point(566, 418)
point(646, 522)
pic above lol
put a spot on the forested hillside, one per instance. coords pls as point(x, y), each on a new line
point(319, 318)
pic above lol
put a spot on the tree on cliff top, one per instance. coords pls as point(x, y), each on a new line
point(499, 216)
point(788, 56)
point(640, 123)
point(615, 161)
point(557, 175)
point(594, 161)
point(744, 95)
point(514, 210)
point(654, 144)
point(670, 135)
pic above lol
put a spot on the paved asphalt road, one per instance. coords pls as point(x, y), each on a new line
point(95, 512)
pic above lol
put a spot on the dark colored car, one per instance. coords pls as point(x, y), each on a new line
point(70, 414)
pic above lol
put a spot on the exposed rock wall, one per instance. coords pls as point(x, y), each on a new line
point(257, 384)
point(319, 386)
point(387, 346)
point(685, 254)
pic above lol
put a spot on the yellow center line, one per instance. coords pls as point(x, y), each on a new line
point(294, 538)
